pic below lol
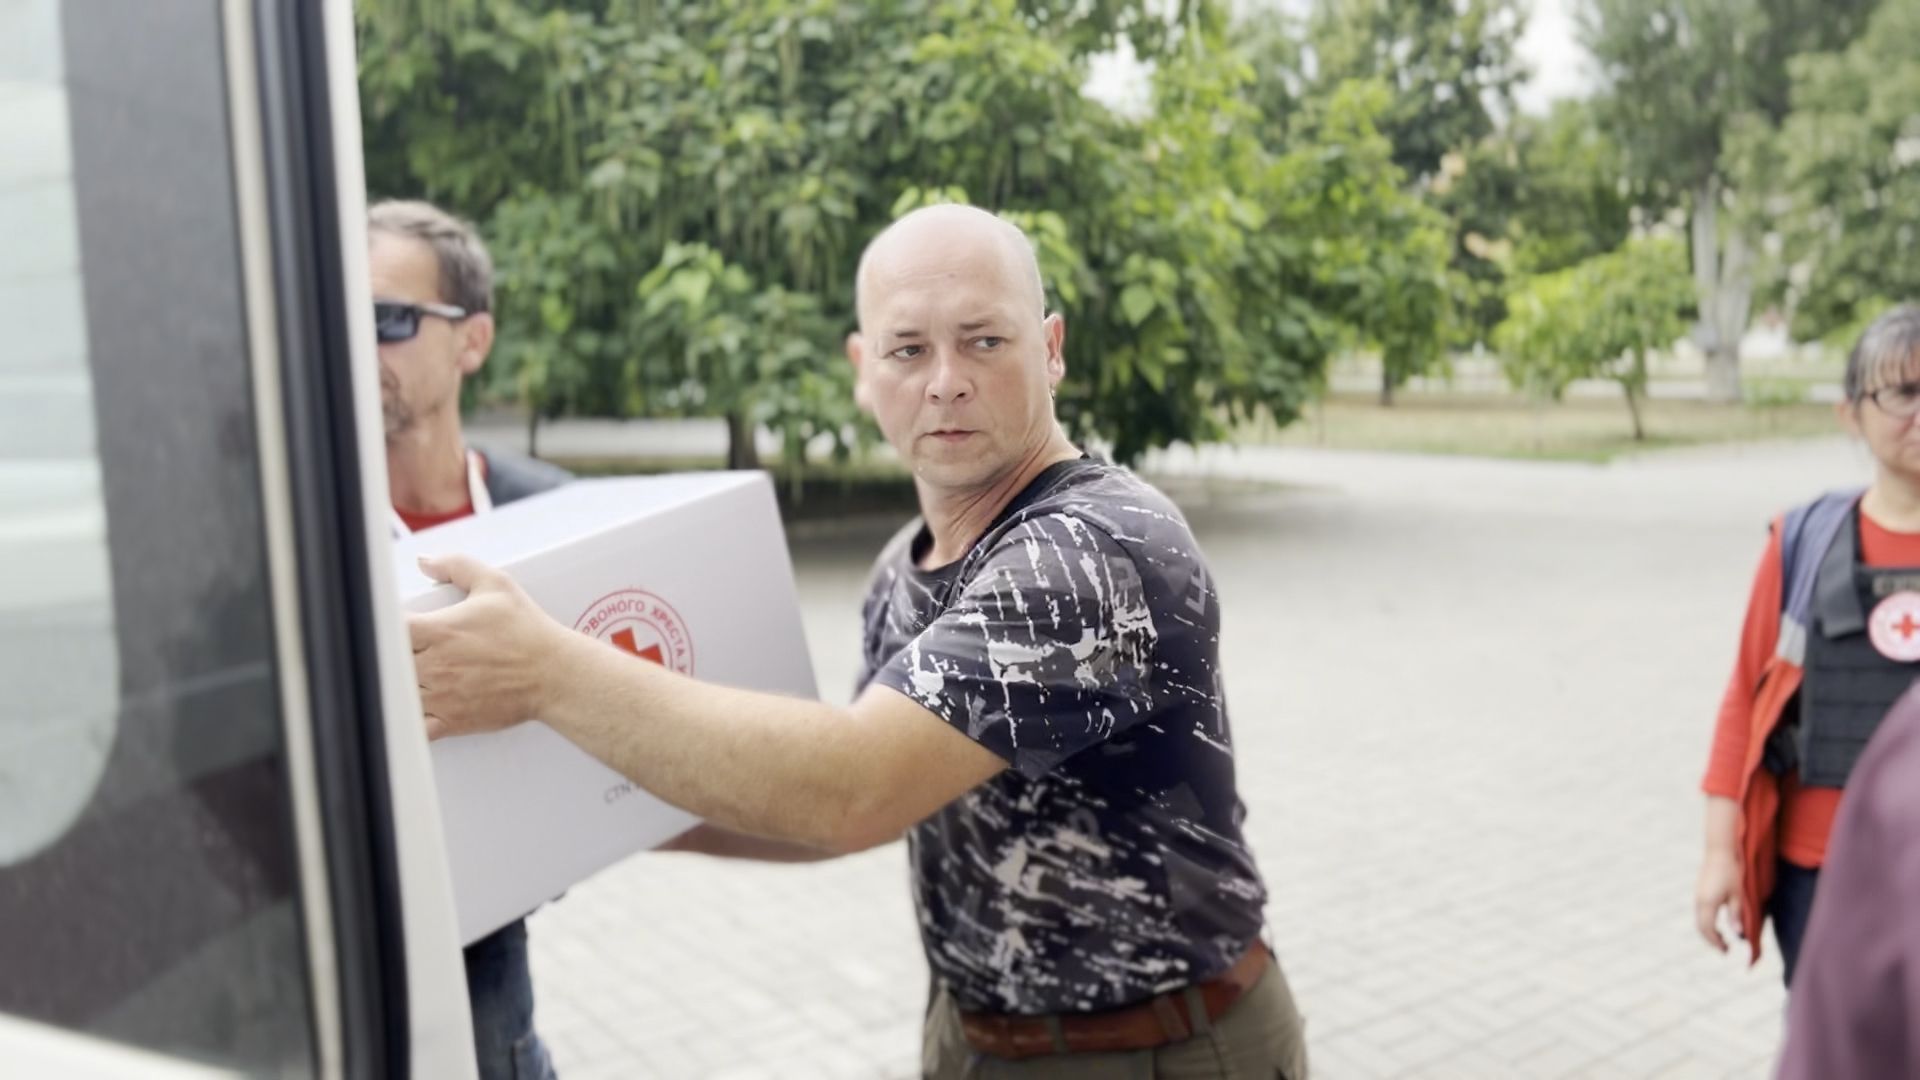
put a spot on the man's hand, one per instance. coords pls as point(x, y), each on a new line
point(484, 663)
point(833, 780)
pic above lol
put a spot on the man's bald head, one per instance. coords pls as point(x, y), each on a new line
point(945, 239)
point(957, 358)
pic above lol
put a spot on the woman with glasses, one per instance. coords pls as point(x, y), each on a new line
point(1831, 639)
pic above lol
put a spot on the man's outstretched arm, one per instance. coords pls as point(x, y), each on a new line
point(834, 779)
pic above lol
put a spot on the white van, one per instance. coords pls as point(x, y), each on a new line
point(219, 851)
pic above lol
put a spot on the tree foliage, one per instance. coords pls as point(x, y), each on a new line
point(677, 194)
point(1384, 274)
point(1844, 178)
point(1683, 78)
point(1450, 67)
point(1597, 318)
point(1541, 194)
point(1327, 85)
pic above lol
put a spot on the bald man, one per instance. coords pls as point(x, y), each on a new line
point(1040, 711)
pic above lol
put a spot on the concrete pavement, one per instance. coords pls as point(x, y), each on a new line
point(1471, 702)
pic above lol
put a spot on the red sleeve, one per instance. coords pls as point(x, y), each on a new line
point(1759, 637)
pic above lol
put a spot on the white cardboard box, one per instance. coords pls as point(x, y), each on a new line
point(690, 571)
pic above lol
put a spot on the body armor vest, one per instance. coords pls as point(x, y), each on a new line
point(1848, 685)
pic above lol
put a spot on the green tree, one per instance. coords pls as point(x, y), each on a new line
point(1682, 77)
point(678, 193)
point(1273, 44)
point(1479, 189)
point(1191, 307)
point(1598, 318)
point(1541, 194)
point(775, 133)
point(1382, 262)
point(1845, 172)
point(733, 347)
point(558, 278)
point(1576, 198)
point(1538, 344)
point(1450, 65)
point(1450, 70)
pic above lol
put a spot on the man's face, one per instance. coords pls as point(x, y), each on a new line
point(956, 362)
point(420, 377)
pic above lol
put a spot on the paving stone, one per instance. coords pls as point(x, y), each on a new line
point(1471, 701)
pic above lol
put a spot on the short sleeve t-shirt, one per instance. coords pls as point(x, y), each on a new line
point(1078, 640)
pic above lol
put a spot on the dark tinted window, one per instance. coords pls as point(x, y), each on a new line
point(147, 863)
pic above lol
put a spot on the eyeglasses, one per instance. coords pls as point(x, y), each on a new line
point(394, 321)
point(1901, 400)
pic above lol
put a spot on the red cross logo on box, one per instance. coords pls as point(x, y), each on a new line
point(641, 624)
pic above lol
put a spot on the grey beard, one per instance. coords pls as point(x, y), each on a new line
point(394, 411)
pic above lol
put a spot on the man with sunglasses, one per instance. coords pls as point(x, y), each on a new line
point(433, 303)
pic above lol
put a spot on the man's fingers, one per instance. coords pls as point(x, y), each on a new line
point(463, 572)
point(436, 727)
point(424, 632)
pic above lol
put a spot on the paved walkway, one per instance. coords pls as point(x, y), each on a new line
point(1471, 702)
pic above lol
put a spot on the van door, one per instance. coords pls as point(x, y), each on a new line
point(218, 848)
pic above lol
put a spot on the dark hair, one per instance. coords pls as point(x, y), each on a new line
point(1890, 344)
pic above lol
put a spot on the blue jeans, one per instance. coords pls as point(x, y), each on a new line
point(501, 992)
point(1790, 904)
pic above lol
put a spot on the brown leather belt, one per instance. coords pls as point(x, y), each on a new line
point(1157, 1022)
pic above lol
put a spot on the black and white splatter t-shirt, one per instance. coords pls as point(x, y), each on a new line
point(1079, 640)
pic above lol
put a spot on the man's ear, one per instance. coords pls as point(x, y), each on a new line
point(1055, 328)
point(476, 341)
point(857, 356)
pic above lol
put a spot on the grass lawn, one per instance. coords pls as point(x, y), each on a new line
point(1583, 429)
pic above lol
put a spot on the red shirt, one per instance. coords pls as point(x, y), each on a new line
point(1806, 813)
point(418, 521)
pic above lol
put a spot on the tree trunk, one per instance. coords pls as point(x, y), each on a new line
point(533, 432)
point(1634, 384)
point(1733, 304)
point(1723, 287)
point(741, 453)
point(1538, 403)
point(1386, 385)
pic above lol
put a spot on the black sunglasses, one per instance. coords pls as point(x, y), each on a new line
point(394, 321)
